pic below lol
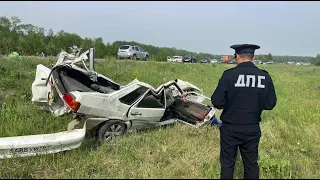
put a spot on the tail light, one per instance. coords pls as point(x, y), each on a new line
point(129, 50)
point(74, 105)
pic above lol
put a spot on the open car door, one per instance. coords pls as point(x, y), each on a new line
point(40, 88)
point(148, 110)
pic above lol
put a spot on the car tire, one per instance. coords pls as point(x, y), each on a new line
point(110, 130)
point(134, 57)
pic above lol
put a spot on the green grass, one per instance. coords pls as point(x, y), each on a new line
point(289, 148)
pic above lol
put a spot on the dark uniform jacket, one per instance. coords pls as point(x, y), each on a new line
point(243, 93)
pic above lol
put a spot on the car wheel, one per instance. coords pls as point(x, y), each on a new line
point(134, 57)
point(111, 130)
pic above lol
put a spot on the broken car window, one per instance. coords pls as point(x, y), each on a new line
point(133, 96)
point(150, 101)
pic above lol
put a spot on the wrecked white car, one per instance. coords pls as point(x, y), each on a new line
point(107, 108)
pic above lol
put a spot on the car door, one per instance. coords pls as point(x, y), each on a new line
point(148, 110)
point(138, 52)
point(40, 88)
point(142, 53)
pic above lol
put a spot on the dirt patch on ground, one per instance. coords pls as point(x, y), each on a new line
point(4, 93)
point(98, 60)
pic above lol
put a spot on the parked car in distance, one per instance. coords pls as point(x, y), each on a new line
point(271, 62)
point(219, 61)
point(213, 61)
point(206, 60)
point(226, 59)
point(190, 59)
point(132, 52)
point(194, 59)
point(257, 61)
point(187, 59)
point(177, 59)
point(233, 61)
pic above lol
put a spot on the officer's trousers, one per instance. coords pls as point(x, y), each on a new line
point(246, 138)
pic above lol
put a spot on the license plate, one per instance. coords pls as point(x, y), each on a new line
point(28, 150)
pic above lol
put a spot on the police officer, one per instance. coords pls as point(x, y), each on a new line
point(243, 92)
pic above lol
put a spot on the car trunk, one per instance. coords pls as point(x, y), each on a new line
point(68, 80)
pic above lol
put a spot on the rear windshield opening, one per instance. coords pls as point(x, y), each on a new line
point(124, 47)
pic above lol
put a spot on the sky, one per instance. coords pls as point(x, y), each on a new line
point(280, 28)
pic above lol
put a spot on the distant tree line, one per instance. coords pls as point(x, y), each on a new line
point(316, 60)
point(28, 39)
